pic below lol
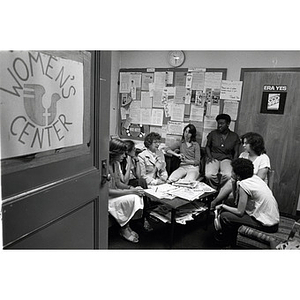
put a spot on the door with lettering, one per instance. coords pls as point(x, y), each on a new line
point(53, 119)
point(270, 106)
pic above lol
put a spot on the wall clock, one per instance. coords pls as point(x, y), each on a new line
point(176, 58)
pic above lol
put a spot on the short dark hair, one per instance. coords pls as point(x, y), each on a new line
point(242, 167)
point(255, 141)
point(130, 145)
point(225, 117)
point(116, 148)
point(193, 131)
point(150, 137)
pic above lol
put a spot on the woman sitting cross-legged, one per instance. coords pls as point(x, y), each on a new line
point(254, 150)
point(125, 201)
point(256, 205)
point(189, 154)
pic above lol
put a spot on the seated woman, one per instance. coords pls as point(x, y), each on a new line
point(221, 147)
point(124, 201)
point(189, 154)
point(254, 150)
point(131, 175)
point(130, 167)
point(256, 206)
point(152, 161)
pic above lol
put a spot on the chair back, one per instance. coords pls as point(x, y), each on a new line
point(271, 174)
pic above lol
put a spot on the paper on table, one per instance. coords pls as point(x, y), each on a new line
point(201, 186)
point(166, 187)
point(161, 191)
point(187, 193)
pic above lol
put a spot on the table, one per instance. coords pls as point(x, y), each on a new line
point(176, 203)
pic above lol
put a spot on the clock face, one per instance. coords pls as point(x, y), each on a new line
point(176, 58)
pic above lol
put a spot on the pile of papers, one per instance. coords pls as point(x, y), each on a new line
point(186, 193)
point(161, 191)
point(183, 214)
point(185, 183)
point(201, 186)
point(168, 191)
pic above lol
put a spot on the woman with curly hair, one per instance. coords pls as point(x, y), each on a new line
point(254, 150)
point(256, 206)
point(188, 151)
point(152, 161)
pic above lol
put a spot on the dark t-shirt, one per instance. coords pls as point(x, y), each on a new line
point(222, 149)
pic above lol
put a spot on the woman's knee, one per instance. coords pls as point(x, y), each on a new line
point(177, 174)
point(211, 176)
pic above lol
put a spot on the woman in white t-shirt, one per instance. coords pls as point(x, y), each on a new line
point(254, 150)
point(256, 207)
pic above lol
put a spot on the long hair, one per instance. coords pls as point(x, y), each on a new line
point(255, 141)
point(130, 145)
point(193, 131)
point(116, 148)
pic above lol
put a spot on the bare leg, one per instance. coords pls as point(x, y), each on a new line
point(129, 234)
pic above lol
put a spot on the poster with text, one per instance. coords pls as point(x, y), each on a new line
point(42, 102)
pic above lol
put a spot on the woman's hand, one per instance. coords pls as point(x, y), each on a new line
point(160, 165)
point(180, 156)
point(219, 207)
point(138, 191)
point(210, 159)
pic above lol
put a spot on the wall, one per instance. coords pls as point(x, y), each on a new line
point(233, 61)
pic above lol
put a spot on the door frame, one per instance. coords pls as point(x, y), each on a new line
point(57, 197)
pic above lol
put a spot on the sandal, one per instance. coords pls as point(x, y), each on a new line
point(131, 238)
point(133, 233)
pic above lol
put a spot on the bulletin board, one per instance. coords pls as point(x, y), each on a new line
point(165, 100)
